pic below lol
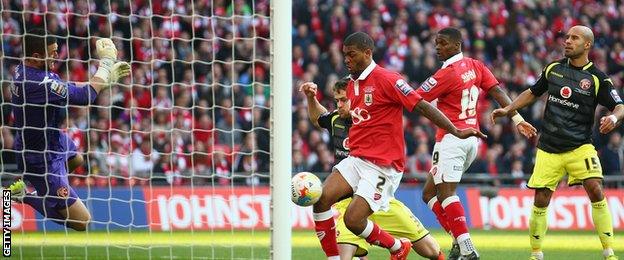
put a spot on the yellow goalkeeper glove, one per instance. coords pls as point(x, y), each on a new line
point(107, 52)
point(106, 49)
point(118, 71)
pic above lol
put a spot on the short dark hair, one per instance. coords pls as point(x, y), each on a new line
point(360, 40)
point(37, 40)
point(341, 84)
point(453, 33)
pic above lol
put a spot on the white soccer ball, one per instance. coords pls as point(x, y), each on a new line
point(306, 189)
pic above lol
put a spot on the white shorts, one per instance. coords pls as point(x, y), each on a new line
point(374, 183)
point(452, 157)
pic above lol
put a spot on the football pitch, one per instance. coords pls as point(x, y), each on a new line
point(493, 244)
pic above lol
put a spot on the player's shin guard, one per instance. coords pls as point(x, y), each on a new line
point(377, 236)
point(457, 223)
point(602, 221)
point(325, 227)
point(538, 225)
point(437, 209)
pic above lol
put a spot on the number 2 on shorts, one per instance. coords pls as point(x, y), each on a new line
point(381, 183)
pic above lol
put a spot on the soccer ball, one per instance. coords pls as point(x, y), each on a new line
point(306, 189)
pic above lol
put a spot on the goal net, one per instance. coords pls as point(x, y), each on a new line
point(177, 156)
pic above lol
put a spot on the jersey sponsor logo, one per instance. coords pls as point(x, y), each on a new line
point(345, 144)
point(563, 102)
point(585, 84)
point(616, 96)
point(428, 84)
point(359, 115)
point(403, 87)
point(468, 76)
point(565, 92)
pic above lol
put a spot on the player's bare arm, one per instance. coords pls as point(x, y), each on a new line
point(315, 109)
point(523, 127)
point(432, 113)
point(610, 122)
point(524, 99)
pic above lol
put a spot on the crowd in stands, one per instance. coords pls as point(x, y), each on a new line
point(196, 107)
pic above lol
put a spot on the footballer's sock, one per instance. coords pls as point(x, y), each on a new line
point(325, 227)
point(538, 224)
point(377, 236)
point(437, 209)
point(457, 223)
point(38, 204)
point(602, 221)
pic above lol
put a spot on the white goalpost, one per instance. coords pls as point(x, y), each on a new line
point(187, 158)
point(281, 125)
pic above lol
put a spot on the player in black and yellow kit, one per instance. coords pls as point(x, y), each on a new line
point(575, 87)
point(399, 221)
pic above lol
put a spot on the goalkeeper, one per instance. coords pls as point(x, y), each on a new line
point(39, 98)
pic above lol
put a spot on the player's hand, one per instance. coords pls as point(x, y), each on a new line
point(607, 124)
point(106, 49)
point(468, 132)
point(526, 129)
point(119, 70)
point(499, 112)
point(309, 89)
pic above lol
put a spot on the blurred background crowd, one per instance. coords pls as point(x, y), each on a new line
point(196, 108)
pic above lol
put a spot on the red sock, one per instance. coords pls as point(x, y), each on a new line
point(377, 236)
point(440, 214)
point(455, 216)
point(326, 233)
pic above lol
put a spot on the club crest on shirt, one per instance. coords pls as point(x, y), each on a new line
point(585, 84)
point(428, 84)
point(62, 192)
point(403, 87)
point(368, 95)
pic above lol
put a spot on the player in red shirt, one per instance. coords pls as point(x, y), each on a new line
point(374, 168)
point(456, 86)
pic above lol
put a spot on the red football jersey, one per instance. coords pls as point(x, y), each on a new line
point(377, 98)
point(457, 86)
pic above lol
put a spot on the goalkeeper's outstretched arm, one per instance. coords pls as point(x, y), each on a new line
point(109, 71)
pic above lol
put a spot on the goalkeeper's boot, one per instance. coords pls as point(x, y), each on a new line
point(18, 190)
point(471, 256)
point(611, 257)
point(454, 254)
point(537, 256)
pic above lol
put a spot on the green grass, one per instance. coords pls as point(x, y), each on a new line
point(245, 245)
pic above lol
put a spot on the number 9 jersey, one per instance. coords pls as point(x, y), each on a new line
point(457, 87)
